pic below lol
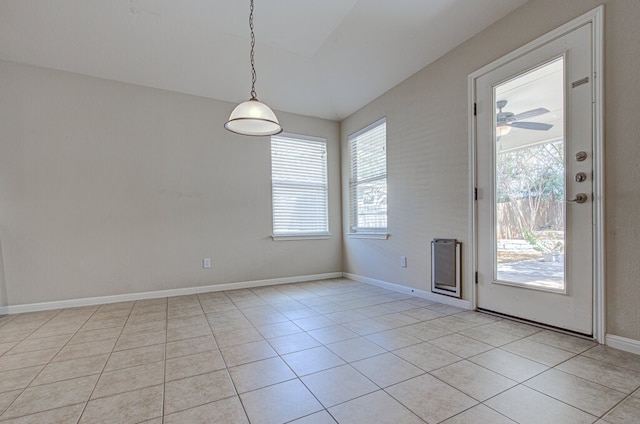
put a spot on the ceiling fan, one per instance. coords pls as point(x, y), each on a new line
point(507, 120)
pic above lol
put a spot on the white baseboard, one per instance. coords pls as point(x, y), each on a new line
point(623, 343)
point(447, 300)
point(88, 301)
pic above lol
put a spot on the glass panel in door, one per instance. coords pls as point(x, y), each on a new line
point(529, 183)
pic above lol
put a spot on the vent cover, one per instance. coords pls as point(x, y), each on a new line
point(445, 267)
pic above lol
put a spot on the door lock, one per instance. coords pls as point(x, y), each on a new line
point(579, 198)
point(580, 156)
point(580, 177)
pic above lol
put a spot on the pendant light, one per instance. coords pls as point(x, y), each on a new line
point(253, 117)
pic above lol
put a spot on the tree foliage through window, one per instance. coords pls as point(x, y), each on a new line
point(530, 188)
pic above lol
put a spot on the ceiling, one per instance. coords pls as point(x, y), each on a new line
point(319, 58)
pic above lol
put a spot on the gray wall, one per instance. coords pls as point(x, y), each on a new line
point(109, 188)
point(427, 147)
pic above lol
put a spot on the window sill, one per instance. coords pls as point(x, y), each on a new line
point(374, 236)
point(291, 237)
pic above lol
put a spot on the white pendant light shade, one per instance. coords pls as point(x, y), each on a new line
point(253, 118)
point(502, 130)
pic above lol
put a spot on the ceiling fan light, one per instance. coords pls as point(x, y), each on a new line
point(503, 130)
point(253, 118)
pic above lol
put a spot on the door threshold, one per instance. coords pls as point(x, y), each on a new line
point(537, 324)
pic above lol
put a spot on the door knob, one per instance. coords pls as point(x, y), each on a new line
point(579, 198)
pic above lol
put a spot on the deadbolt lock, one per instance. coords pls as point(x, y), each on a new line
point(580, 177)
point(580, 156)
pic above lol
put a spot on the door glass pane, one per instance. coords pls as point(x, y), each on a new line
point(529, 209)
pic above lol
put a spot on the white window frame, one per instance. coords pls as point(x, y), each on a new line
point(375, 232)
point(301, 186)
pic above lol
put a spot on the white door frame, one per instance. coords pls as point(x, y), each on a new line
point(596, 17)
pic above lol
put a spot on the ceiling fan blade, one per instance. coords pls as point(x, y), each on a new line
point(539, 126)
point(530, 113)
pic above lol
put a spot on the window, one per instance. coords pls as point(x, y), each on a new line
point(299, 186)
point(368, 180)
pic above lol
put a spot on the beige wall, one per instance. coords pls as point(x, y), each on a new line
point(427, 145)
point(109, 188)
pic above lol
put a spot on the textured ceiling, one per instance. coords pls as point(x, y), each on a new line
point(319, 58)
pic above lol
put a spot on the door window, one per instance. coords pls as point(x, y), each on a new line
point(529, 189)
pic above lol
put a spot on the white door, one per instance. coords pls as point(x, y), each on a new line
point(534, 174)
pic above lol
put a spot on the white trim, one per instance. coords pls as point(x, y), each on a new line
point(88, 301)
point(285, 134)
point(292, 237)
point(368, 127)
point(447, 300)
point(374, 236)
point(599, 316)
point(623, 343)
point(470, 286)
point(596, 17)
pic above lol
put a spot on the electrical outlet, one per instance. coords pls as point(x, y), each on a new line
point(206, 263)
point(403, 261)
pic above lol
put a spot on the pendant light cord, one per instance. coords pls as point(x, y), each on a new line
point(253, 65)
point(252, 117)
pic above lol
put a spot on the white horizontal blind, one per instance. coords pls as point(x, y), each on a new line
point(368, 180)
point(299, 185)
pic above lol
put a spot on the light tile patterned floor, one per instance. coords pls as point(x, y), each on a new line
point(320, 352)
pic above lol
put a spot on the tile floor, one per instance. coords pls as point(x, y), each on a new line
point(319, 352)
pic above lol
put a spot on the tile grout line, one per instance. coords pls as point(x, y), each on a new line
point(296, 376)
point(299, 378)
point(357, 336)
point(627, 396)
point(564, 402)
point(345, 364)
point(105, 364)
point(224, 361)
point(630, 395)
point(45, 364)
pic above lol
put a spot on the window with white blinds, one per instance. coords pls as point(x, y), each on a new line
point(368, 179)
point(299, 185)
